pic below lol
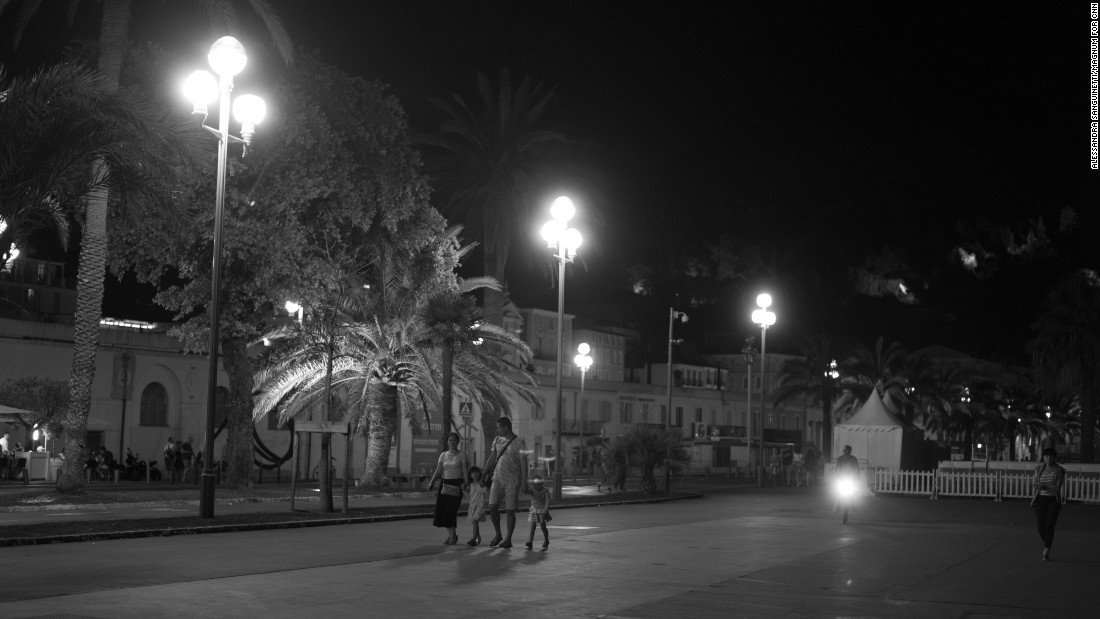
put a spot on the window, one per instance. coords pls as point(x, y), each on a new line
point(713, 416)
point(679, 420)
point(626, 412)
point(645, 412)
point(698, 413)
point(540, 410)
point(605, 412)
point(584, 409)
point(154, 405)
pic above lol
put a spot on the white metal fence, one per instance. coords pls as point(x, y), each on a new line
point(996, 485)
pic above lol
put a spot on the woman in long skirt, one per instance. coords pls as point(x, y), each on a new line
point(453, 469)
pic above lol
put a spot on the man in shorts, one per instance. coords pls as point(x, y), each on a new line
point(508, 457)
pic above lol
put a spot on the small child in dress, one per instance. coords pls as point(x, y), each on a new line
point(539, 512)
point(476, 510)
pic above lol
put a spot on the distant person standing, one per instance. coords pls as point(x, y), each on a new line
point(5, 443)
point(809, 462)
point(170, 458)
point(1047, 502)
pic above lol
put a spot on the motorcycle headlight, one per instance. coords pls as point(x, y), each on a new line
point(846, 487)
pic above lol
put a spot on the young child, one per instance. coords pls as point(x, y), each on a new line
point(539, 512)
point(476, 510)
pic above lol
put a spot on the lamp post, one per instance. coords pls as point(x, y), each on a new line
point(564, 241)
point(750, 358)
point(583, 362)
point(673, 316)
point(227, 58)
point(765, 319)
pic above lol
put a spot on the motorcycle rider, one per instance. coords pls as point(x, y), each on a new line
point(846, 466)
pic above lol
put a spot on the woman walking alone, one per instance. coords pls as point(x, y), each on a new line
point(1049, 478)
point(453, 469)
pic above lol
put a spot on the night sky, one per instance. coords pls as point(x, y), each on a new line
point(848, 127)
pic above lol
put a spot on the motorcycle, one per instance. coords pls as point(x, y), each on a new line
point(846, 489)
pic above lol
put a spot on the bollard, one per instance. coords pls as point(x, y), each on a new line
point(999, 492)
point(935, 485)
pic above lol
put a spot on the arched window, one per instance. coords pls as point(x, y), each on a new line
point(154, 405)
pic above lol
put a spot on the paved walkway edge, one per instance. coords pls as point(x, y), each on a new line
point(213, 527)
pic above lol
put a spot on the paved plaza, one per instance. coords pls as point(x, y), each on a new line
point(734, 552)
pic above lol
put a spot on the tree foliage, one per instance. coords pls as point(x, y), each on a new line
point(331, 183)
point(646, 448)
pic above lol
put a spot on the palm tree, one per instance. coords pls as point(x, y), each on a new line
point(449, 318)
point(72, 136)
point(1065, 352)
point(811, 376)
point(391, 369)
point(113, 42)
point(879, 367)
point(492, 164)
point(947, 407)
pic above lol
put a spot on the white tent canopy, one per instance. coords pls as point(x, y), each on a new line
point(878, 436)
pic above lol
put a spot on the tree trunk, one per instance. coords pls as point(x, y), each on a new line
point(239, 425)
point(448, 386)
point(383, 417)
point(494, 299)
point(89, 309)
point(326, 438)
point(827, 429)
point(113, 37)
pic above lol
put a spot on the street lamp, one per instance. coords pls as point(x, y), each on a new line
point(673, 316)
point(227, 58)
point(750, 358)
point(765, 319)
point(583, 362)
point(564, 241)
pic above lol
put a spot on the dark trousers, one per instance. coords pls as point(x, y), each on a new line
point(1046, 517)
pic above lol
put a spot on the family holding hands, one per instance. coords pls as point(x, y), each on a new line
point(497, 486)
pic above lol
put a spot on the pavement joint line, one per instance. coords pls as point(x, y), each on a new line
point(285, 499)
point(286, 524)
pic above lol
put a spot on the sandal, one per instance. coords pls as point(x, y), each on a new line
point(528, 545)
point(546, 544)
point(474, 541)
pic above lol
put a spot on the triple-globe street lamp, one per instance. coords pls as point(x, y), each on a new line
point(564, 241)
point(765, 319)
point(227, 58)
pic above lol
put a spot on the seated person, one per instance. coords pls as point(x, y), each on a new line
point(106, 463)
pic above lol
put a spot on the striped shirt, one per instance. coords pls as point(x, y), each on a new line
point(1049, 479)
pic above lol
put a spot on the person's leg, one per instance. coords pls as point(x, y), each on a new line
point(511, 504)
point(531, 535)
point(1041, 518)
point(495, 496)
point(511, 528)
point(1051, 520)
point(545, 536)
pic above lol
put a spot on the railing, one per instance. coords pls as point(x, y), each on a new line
point(996, 485)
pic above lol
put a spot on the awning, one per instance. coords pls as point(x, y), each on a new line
point(12, 415)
